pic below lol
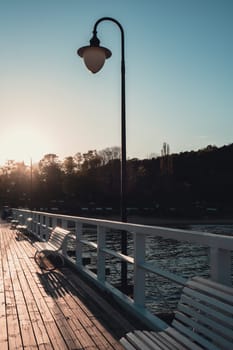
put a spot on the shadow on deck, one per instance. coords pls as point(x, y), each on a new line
point(51, 310)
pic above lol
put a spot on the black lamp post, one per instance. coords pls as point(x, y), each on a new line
point(94, 57)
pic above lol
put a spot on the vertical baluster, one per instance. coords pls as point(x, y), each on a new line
point(79, 246)
point(47, 227)
point(220, 265)
point(33, 223)
point(101, 239)
point(139, 274)
point(37, 224)
point(53, 221)
point(64, 224)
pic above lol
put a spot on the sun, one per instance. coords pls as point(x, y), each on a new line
point(22, 144)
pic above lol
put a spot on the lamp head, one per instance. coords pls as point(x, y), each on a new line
point(94, 55)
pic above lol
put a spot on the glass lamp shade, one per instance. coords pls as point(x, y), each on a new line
point(94, 57)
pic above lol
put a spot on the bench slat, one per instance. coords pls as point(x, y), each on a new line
point(193, 336)
point(137, 342)
point(127, 344)
point(223, 307)
point(208, 290)
point(150, 342)
point(204, 319)
point(198, 328)
point(214, 314)
point(214, 285)
point(181, 338)
point(55, 242)
point(164, 342)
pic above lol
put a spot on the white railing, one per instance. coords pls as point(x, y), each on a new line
point(220, 249)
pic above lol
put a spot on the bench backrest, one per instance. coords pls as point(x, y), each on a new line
point(58, 236)
point(205, 314)
point(29, 221)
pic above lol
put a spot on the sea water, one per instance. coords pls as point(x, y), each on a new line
point(182, 258)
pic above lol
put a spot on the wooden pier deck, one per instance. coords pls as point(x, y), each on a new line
point(51, 310)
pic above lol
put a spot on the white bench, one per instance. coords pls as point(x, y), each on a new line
point(15, 222)
point(25, 228)
point(54, 246)
point(203, 320)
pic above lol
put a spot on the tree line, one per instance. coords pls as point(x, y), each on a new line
point(188, 184)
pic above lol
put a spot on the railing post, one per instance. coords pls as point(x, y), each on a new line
point(220, 265)
point(37, 224)
point(139, 273)
point(79, 246)
point(47, 228)
point(33, 223)
point(101, 239)
point(64, 224)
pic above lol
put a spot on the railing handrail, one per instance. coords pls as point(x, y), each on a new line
point(220, 248)
point(208, 239)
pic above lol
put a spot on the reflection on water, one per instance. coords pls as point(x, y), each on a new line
point(181, 258)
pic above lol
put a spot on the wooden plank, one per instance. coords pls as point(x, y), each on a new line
point(52, 334)
point(127, 345)
point(137, 342)
point(213, 313)
point(26, 329)
point(13, 329)
point(55, 337)
point(34, 314)
point(3, 324)
point(153, 342)
point(214, 285)
point(181, 338)
point(43, 310)
point(204, 319)
point(211, 291)
point(209, 300)
point(169, 342)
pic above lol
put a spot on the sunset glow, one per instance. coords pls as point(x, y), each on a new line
point(179, 77)
point(23, 144)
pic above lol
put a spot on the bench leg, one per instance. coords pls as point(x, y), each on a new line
point(44, 259)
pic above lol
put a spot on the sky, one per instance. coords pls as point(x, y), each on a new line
point(179, 77)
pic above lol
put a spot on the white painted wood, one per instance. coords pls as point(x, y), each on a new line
point(214, 285)
point(139, 273)
point(101, 234)
point(183, 339)
point(151, 267)
point(204, 319)
point(220, 265)
point(89, 243)
point(64, 223)
point(137, 342)
point(118, 255)
point(215, 303)
point(38, 224)
point(127, 344)
point(220, 249)
point(47, 227)
point(79, 246)
point(214, 313)
point(152, 341)
point(170, 342)
point(215, 292)
point(55, 242)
